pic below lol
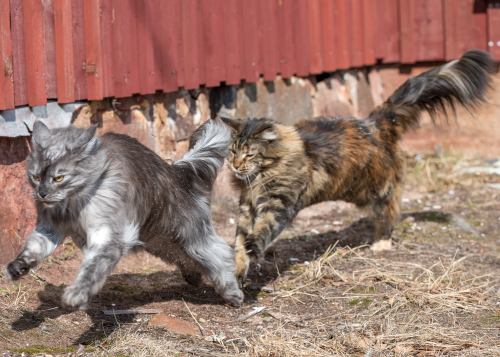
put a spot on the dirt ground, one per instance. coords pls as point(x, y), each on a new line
point(324, 293)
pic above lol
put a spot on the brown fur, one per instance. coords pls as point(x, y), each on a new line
point(281, 169)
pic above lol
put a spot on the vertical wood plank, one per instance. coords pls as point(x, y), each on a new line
point(389, 17)
point(450, 29)
point(357, 33)
point(428, 28)
point(342, 19)
point(6, 78)
point(108, 75)
point(190, 44)
point(471, 25)
point(270, 46)
point(131, 15)
point(286, 37)
point(201, 46)
point(157, 49)
point(213, 40)
point(232, 42)
point(79, 50)
point(121, 47)
point(64, 51)
point(18, 53)
point(145, 46)
point(49, 42)
point(301, 34)
point(252, 50)
point(329, 35)
point(406, 30)
point(369, 30)
point(171, 34)
point(380, 44)
point(315, 36)
point(35, 55)
point(93, 55)
point(493, 14)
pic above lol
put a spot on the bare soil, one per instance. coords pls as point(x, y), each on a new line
point(436, 292)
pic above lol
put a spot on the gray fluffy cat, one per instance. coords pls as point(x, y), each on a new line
point(110, 193)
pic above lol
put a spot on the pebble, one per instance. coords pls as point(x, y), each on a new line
point(231, 220)
point(315, 231)
point(202, 320)
point(406, 200)
point(436, 207)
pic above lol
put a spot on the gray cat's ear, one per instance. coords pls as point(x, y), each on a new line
point(87, 142)
point(40, 132)
point(234, 124)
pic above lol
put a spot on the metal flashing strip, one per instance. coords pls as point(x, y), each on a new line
point(19, 121)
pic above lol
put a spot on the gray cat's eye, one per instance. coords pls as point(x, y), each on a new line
point(58, 178)
point(36, 178)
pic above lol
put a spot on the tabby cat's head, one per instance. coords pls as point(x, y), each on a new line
point(254, 145)
point(57, 166)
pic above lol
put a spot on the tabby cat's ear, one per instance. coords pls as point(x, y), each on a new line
point(40, 133)
point(234, 124)
point(265, 132)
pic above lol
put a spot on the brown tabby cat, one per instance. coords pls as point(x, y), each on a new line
point(281, 169)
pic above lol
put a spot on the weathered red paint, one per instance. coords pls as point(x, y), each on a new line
point(315, 36)
point(35, 55)
point(156, 23)
point(232, 42)
point(145, 46)
point(388, 25)
point(171, 37)
point(213, 42)
point(369, 32)
point(428, 30)
point(49, 41)
point(357, 33)
point(269, 38)
point(93, 55)
point(329, 34)
point(342, 19)
point(130, 13)
point(493, 14)
point(406, 31)
point(64, 51)
point(450, 30)
point(79, 57)
point(6, 76)
point(301, 34)
point(190, 44)
point(471, 25)
point(18, 53)
point(286, 37)
point(249, 19)
point(107, 49)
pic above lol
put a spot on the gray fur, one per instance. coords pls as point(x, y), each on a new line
point(117, 194)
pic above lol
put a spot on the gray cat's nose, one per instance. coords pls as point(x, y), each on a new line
point(42, 194)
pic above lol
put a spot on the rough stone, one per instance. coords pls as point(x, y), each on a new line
point(174, 324)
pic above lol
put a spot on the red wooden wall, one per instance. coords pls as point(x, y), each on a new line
point(92, 49)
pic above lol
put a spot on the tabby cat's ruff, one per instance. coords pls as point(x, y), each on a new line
point(110, 193)
point(281, 169)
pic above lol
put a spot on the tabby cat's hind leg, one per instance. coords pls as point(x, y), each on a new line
point(385, 214)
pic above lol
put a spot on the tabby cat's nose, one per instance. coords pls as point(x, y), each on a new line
point(236, 167)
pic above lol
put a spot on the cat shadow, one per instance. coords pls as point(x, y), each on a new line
point(286, 252)
point(121, 292)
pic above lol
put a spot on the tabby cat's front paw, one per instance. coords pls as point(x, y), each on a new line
point(75, 297)
point(242, 264)
point(16, 269)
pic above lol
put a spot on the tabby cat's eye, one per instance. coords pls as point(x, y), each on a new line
point(58, 178)
point(36, 178)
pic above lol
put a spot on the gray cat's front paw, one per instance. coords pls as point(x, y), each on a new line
point(16, 269)
point(75, 298)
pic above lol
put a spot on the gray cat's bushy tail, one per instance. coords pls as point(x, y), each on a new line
point(460, 83)
point(208, 146)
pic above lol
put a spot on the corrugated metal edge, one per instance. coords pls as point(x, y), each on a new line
point(19, 121)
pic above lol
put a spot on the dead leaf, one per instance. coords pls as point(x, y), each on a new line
point(403, 349)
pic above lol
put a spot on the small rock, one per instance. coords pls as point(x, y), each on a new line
point(337, 223)
point(436, 207)
point(231, 220)
point(306, 262)
point(406, 200)
point(45, 329)
point(294, 259)
point(202, 320)
point(315, 231)
point(174, 324)
point(409, 219)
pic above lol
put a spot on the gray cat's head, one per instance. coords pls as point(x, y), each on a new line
point(58, 165)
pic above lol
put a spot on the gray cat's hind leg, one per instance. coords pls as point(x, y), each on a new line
point(216, 258)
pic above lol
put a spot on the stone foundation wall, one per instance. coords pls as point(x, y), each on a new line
point(164, 122)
